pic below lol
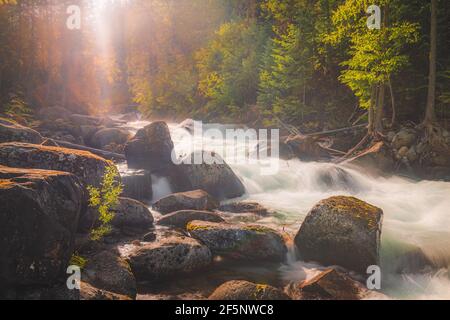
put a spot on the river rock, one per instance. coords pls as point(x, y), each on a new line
point(218, 179)
point(167, 257)
point(244, 290)
point(342, 231)
point(331, 285)
point(110, 272)
point(180, 219)
point(151, 148)
point(404, 138)
point(137, 184)
point(245, 207)
point(307, 148)
point(108, 136)
point(39, 212)
point(246, 242)
point(85, 165)
point(191, 200)
point(11, 131)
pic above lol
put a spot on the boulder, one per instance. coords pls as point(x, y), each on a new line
point(39, 212)
point(342, 231)
point(217, 179)
point(245, 207)
point(128, 214)
point(377, 159)
point(307, 148)
point(169, 256)
point(191, 200)
point(11, 131)
point(331, 285)
point(88, 131)
point(137, 184)
point(151, 148)
point(90, 293)
point(110, 272)
point(109, 136)
point(131, 213)
point(85, 165)
point(180, 219)
point(404, 138)
point(246, 242)
point(244, 290)
point(84, 120)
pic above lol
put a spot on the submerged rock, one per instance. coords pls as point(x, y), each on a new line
point(245, 207)
point(180, 219)
point(108, 271)
point(11, 131)
point(85, 165)
point(247, 242)
point(169, 256)
point(137, 184)
point(217, 179)
point(244, 290)
point(39, 212)
point(342, 231)
point(331, 285)
point(191, 200)
point(151, 148)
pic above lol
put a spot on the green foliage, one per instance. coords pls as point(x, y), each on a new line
point(17, 108)
point(77, 260)
point(104, 199)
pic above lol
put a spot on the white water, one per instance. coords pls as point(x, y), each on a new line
point(416, 214)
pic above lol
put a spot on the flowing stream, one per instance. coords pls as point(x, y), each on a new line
point(416, 227)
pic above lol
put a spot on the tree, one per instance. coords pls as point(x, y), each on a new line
point(430, 115)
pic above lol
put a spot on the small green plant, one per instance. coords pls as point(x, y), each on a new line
point(104, 199)
point(77, 260)
point(17, 108)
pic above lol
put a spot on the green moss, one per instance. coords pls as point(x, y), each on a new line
point(259, 229)
point(194, 227)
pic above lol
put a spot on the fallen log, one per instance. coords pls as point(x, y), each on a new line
point(330, 132)
point(102, 153)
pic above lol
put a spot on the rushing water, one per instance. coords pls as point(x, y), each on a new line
point(416, 228)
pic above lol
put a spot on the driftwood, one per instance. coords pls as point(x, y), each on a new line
point(102, 153)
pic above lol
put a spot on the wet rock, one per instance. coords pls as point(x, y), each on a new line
point(342, 231)
point(331, 285)
point(108, 136)
point(39, 212)
point(307, 148)
point(377, 159)
point(244, 290)
point(217, 179)
point(149, 237)
point(151, 148)
point(88, 131)
point(191, 200)
point(246, 242)
point(131, 213)
point(137, 184)
point(108, 271)
point(167, 257)
point(83, 120)
point(245, 207)
point(11, 131)
point(85, 165)
point(90, 293)
point(180, 219)
point(405, 138)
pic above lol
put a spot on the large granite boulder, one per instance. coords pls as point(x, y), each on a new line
point(218, 179)
point(169, 256)
point(342, 231)
point(85, 165)
point(39, 212)
point(239, 241)
point(110, 272)
point(191, 200)
point(11, 131)
point(108, 136)
point(247, 291)
point(137, 184)
point(151, 148)
point(180, 219)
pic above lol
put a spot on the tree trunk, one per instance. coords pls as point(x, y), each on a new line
point(373, 103)
point(394, 110)
point(380, 108)
point(430, 114)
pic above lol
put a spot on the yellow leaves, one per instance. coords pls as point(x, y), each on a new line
point(11, 2)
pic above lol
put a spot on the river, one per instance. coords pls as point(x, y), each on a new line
point(416, 226)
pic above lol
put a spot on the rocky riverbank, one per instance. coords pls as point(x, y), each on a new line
point(186, 246)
